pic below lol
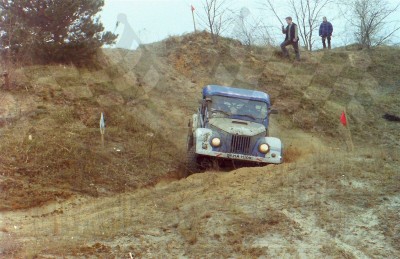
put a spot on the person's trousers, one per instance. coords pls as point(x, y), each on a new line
point(295, 47)
point(324, 38)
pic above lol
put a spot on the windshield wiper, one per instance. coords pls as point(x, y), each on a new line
point(221, 111)
point(247, 115)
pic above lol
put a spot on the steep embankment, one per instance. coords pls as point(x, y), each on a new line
point(331, 205)
point(324, 201)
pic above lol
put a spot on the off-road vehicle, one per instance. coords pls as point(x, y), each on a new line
point(231, 125)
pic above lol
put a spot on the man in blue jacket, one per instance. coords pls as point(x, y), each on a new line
point(325, 31)
point(292, 38)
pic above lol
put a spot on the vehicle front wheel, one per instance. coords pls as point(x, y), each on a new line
point(189, 141)
point(191, 164)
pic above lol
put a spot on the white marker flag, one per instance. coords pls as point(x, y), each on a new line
point(102, 124)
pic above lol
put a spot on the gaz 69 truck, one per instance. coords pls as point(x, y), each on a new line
point(231, 125)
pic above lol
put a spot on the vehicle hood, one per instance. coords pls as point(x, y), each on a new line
point(237, 127)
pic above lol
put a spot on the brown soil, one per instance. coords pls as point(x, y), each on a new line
point(66, 194)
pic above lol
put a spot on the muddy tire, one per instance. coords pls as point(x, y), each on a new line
point(191, 164)
point(189, 141)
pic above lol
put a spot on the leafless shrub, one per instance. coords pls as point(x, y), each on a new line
point(216, 17)
point(250, 30)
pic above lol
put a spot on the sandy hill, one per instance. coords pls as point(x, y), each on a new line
point(64, 193)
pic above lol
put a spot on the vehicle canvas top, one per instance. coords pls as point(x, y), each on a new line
point(211, 90)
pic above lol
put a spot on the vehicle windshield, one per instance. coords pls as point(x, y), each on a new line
point(224, 107)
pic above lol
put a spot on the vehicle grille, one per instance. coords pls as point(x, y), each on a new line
point(240, 145)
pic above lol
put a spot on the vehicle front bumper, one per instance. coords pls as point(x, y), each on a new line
point(203, 147)
point(268, 159)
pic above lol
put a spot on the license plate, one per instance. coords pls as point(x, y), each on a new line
point(239, 156)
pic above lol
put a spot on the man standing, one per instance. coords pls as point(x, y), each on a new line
point(292, 38)
point(325, 31)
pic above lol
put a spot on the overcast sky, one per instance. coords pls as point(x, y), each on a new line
point(148, 21)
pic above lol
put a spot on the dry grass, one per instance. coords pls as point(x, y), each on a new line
point(65, 148)
point(384, 66)
point(331, 250)
point(319, 195)
point(9, 246)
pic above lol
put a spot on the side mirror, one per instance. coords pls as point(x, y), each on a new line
point(273, 111)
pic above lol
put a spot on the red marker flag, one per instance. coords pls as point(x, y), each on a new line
point(194, 21)
point(343, 119)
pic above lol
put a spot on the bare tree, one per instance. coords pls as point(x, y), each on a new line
point(246, 28)
point(307, 14)
point(264, 36)
point(252, 32)
point(6, 32)
point(8, 27)
point(370, 18)
point(216, 17)
point(271, 7)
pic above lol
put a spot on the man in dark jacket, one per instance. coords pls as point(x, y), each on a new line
point(325, 31)
point(292, 38)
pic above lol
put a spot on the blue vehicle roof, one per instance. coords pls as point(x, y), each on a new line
point(228, 91)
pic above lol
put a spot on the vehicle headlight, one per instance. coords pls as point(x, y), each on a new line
point(263, 148)
point(216, 142)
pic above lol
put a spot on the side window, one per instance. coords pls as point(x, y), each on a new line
point(264, 111)
point(204, 110)
point(203, 107)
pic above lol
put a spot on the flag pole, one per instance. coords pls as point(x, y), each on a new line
point(194, 21)
point(349, 131)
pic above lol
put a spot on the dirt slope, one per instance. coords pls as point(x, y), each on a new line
point(63, 194)
point(309, 209)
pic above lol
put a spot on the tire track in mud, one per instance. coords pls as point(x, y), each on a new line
point(160, 214)
point(79, 222)
point(316, 236)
